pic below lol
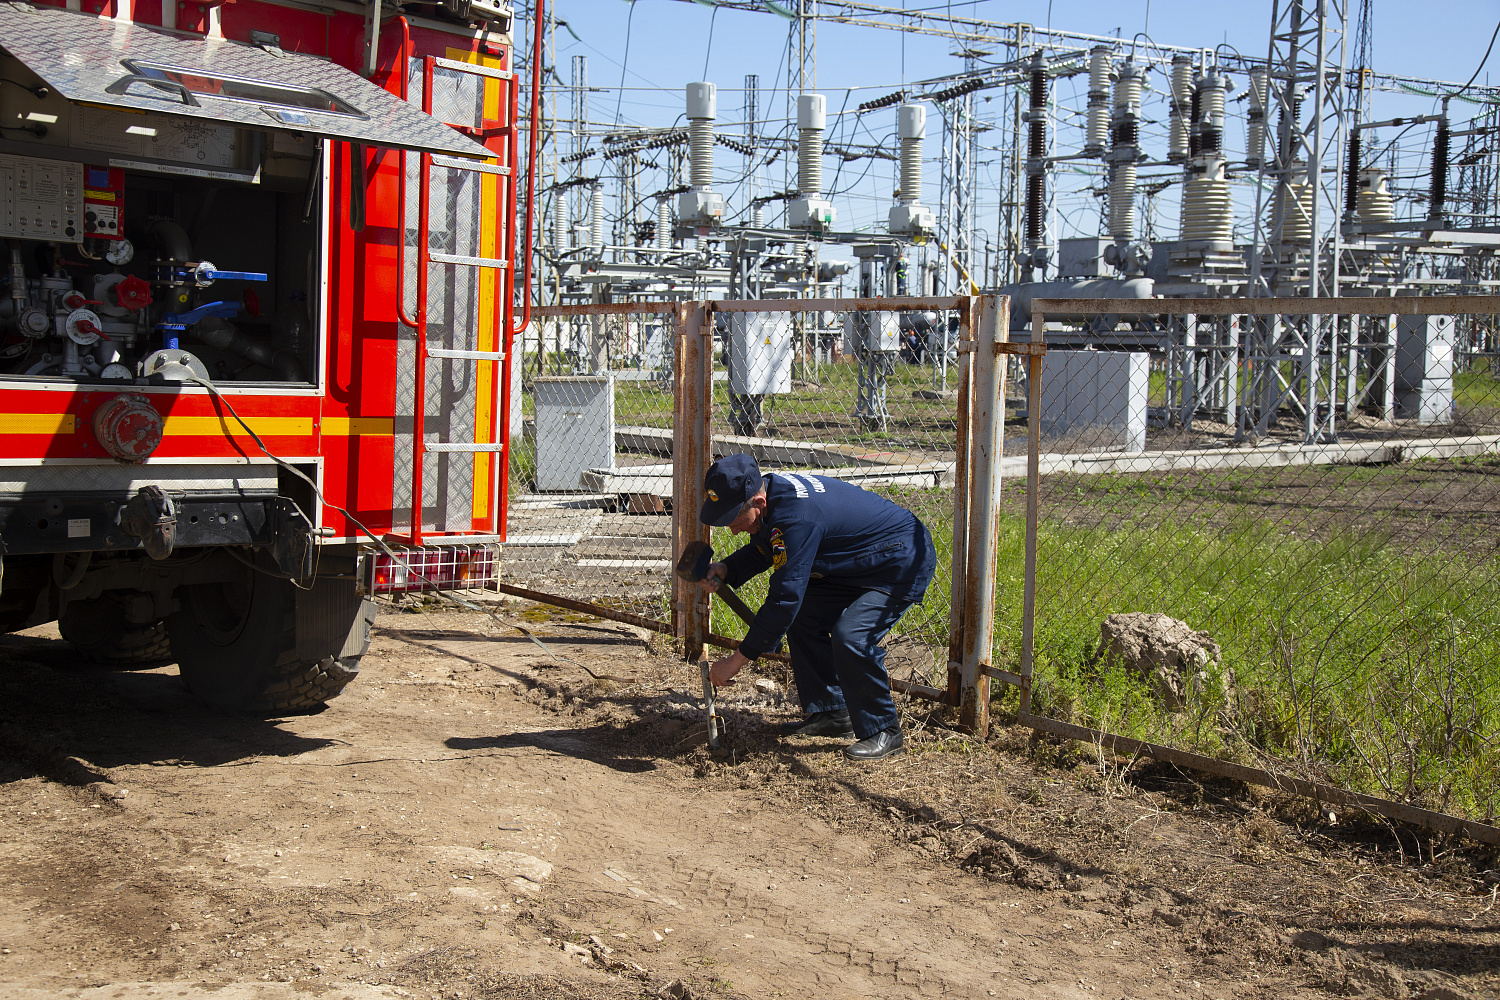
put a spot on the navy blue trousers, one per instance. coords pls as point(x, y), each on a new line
point(837, 661)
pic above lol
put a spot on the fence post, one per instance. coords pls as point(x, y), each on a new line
point(987, 405)
point(967, 317)
point(1034, 368)
point(692, 410)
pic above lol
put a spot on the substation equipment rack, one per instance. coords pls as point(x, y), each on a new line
point(255, 302)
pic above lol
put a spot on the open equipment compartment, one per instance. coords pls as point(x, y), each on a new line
point(162, 198)
point(215, 369)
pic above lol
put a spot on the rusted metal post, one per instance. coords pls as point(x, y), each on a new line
point(960, 566)
point(1034, 368)
point(690, 460)
point(987, 404)
point(680, 594)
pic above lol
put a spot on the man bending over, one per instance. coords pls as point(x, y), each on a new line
point(845, 564)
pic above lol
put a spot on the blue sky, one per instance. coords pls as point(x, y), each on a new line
point(657, 46)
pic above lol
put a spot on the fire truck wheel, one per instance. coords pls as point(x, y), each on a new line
point(236, 647)
point(25, 582)
point(100, 631)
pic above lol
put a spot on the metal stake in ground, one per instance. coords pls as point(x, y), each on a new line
point(710, 707)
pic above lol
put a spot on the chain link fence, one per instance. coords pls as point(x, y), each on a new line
point(604, 488)
point(1267, 535)
point(1255, 537)
point(587, 517)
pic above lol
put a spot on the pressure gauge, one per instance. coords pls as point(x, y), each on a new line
point(116, 372)
point(121, 253)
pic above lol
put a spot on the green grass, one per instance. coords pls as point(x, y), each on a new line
point(1371, 666)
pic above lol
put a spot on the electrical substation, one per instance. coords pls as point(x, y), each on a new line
point(1067, 165)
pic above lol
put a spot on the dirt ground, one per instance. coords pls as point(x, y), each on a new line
point(477, 817)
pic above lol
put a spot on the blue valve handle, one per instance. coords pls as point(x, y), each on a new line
point(206, 274)
point(172, 324)
point(213, 275)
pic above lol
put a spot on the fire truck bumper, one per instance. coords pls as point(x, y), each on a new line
point(91, 524)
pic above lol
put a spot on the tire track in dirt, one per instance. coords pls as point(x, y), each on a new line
point(771, 903)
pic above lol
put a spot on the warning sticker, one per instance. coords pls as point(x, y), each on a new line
point(79, 527)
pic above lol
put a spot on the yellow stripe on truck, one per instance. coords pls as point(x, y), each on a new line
point(354, 426)
point(38, 423)
point(219, 426)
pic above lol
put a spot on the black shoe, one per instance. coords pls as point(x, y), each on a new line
point(821, 724)
point(886, 743)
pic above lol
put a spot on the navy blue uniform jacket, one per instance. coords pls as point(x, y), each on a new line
point(817, 528)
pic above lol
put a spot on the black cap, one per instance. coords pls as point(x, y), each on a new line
point(730, 482)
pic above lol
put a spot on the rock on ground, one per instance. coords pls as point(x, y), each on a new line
point(1177, 660)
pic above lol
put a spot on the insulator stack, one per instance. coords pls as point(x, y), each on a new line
point(701, 206)
point(1207, 209)
point(1255, 115)
point(1101, 71)
point(810, 210)
point(1181, 113)
point(812, 119)
point(1373, 199)
point(1209, 119)
point(1122, 202)
point(701, 152)
point(663, 225)
point(560, 221)
point(909, 217)
point(1296, 225)
point(757, 215)
point(1351, 176)
point(596, 218)
point(913, 126)
point(1439, 190)
point(1036, 164)
point(1125, 152)
point(1289, 116)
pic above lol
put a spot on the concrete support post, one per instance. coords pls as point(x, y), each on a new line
point(986, 441)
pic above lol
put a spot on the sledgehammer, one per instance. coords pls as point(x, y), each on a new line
point(693, 565)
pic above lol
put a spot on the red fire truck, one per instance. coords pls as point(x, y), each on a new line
point(255, 306)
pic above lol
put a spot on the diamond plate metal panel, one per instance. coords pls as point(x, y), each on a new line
point(82, 57)
point(457, 97)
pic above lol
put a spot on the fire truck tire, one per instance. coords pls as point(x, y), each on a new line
point(237, 648)
point(100, 631)
point(23, 582)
